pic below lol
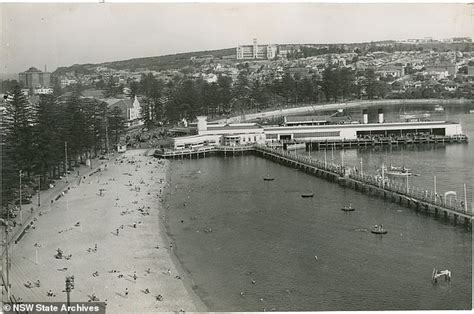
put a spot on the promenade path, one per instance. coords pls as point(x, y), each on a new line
point(125, 192)
point(312, 108)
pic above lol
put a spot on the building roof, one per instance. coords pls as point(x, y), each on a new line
point(113, 102)
point(296, 119)
point(232, 127)
point(32, 70)
point(423, 124)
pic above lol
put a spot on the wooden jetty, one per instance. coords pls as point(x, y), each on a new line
point(422, 200)
point(205, 152)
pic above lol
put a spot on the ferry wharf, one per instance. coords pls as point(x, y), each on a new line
point(422, 200)
point(378, 141)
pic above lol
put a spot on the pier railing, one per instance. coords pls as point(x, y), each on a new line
point(306, 160)
point(409, 192)
point(387, 184)
point(414, 192)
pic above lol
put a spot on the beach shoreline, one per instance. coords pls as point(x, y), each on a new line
point(166, 235)
point(110, 226)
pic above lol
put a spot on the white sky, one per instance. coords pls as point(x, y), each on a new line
point(64, 34)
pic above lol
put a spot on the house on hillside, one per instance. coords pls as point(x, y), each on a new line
point(449, 68)
point(390, 71)
point(130, 109)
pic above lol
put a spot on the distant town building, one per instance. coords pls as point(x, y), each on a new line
point(283, 51)
point(34, 78)
point(391, 71)
point(130, 109)
point(462, 40)
point(67, 82)
point(470, 71)
point(451, 68)
point(43, 91)
point(255, 51)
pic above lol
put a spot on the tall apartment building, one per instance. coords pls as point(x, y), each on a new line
point(34, 78)
point(255, 51)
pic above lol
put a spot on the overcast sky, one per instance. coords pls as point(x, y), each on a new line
point(65, 34)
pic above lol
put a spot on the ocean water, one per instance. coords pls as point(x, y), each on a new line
point(254, 245)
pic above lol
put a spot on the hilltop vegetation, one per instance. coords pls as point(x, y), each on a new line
point(174, 61)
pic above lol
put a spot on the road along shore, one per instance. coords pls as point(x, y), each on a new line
point(312, 108)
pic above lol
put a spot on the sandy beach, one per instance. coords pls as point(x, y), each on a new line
point(109, 223)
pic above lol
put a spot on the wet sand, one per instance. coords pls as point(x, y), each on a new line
point(82, 219)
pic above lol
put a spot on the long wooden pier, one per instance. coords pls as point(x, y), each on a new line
point(422, 200)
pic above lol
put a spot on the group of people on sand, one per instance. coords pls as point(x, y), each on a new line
point(60, 255)
point(143, 210)
point(37, 284)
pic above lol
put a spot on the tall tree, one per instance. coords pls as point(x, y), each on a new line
point(46, 136)
point(116, 123)
point(370, 83)
point(18, 119)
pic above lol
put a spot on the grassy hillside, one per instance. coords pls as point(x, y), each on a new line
point(150, 63)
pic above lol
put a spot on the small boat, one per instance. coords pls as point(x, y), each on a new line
point(348, 208)
point(397, 171)
point(294, 146)
point(439, 108)
point(379, 230)
point(307, 195)
point(268, 178)
point(413, 116)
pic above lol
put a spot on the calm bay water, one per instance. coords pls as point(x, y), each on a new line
point(231, 228)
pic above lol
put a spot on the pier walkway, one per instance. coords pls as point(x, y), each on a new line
point(419, 198)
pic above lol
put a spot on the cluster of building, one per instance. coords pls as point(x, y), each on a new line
point(451, 71)
point(409, 69)
point(428, 40)
point(308, 128)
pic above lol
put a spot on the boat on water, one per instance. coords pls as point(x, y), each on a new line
point(294, 146)
point(414, 116)
point(439, 108)
point(268, 178)
point(348, 208)
point(307, 195)
point(378, 229)
point(397, 171)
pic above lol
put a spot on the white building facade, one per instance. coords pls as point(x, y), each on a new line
point(256, 52)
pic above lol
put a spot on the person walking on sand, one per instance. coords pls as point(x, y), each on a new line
point(117, 232)
point(126, 292)
point(135, 276)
